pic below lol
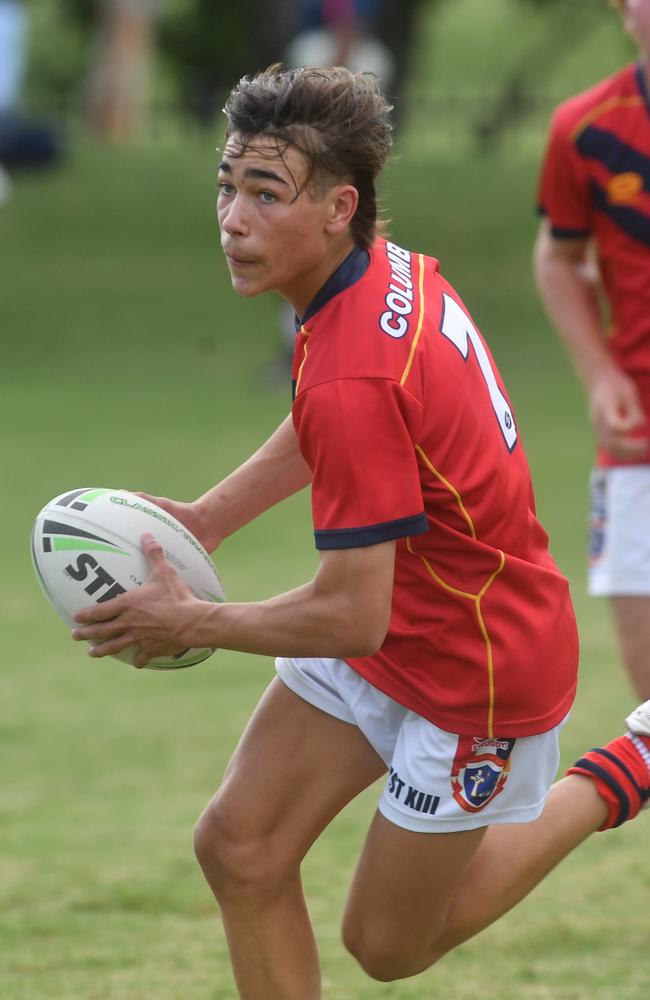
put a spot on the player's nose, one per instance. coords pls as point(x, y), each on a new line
point(233, 220)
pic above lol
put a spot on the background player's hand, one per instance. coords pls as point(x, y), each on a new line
point(192, 515)
point(156, 617)
point(617, 414)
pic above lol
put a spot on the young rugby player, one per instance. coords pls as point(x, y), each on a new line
point(436, 644)
point(594, 197)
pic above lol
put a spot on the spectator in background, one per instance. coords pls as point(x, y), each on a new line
point(23, 142)
point(340, 33)
point(594, 202)
point(118, 79)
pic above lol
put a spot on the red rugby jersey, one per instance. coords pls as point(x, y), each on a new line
point(595, 181)
point(402, 416)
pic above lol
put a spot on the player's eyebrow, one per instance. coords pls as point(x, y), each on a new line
point(256, 173)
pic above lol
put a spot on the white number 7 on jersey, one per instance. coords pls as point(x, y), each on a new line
point(457, 327)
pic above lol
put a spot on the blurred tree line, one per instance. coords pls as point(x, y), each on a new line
point(202, 46)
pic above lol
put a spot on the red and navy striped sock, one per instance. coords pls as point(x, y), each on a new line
point(621, 771)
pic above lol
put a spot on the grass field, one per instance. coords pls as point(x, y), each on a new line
point(127, 361)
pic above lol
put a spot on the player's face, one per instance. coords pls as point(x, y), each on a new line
point(636, 16)
point(274, 231)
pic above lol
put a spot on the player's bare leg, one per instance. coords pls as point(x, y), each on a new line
point(441, 888)
point(294, 769)
point(632, 619)
point(402, 917)
point(522, 855)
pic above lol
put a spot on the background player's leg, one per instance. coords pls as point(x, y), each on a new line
point(293, 771)
point(632, 619)
point(441, 888)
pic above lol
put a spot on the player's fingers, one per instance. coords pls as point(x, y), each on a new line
point(154, 552)
point(110, 647)
point(158, 501)
point(618, 407)
point(95, 630)
point(630, 418)
point(622, 446)
point(629, 410)
point(101, 612)
point(141, 660)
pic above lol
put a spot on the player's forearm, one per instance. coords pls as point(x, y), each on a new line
point(274, 472)
point(298, 623)
point(571, 301)
point(344, 611)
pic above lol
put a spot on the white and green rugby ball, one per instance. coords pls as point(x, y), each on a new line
point(86, 548)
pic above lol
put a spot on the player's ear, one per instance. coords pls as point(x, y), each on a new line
point(343, 202)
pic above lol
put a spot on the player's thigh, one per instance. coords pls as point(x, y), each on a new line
point(443, 791)
point(293, 770)
point(403, 886)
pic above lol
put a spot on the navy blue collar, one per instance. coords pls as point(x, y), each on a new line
point(347, 273)
point(642, 84)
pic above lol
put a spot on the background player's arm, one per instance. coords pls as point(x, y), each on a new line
point(344, 611)
point(275, 471)
point(569, 291)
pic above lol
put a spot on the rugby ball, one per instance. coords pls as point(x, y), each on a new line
point(86, 548)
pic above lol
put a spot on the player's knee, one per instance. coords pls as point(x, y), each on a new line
point(382, 962)
point(233, 856)
point(226, 853)
point(382, 955)
point(387, 952)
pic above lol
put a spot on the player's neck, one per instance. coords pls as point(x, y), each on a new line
point(301, 297)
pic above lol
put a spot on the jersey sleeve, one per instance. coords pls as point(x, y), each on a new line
point(563, 194)
point(357, 436)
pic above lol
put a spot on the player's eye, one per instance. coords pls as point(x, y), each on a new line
point(225, 187)
point(268, 197)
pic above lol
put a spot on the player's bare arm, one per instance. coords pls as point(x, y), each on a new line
point(344, 611)
point(274, 472)
point(569, 291)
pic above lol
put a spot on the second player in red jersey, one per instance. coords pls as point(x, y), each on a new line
point(595, 184)
point(592, 264)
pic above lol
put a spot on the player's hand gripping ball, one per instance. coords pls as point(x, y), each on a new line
point(86, 547)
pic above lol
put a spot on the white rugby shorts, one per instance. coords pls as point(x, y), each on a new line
point(438, 782)
point(619, 532)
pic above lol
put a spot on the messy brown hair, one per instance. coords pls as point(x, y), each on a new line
point(339, 120)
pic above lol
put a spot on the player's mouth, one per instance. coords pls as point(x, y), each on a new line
point(235, 261)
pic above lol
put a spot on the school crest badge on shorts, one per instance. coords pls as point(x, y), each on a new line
point(479, 771)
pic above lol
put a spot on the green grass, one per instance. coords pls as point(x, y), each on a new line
point(127, 360)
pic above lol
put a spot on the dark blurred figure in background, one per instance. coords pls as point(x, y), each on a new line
point(24, 142)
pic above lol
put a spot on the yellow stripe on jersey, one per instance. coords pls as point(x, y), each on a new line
point(305, 332)
point(452, 489)
point(418, 330)
point(476, 599)
point(601, 109)
point(488, 643)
